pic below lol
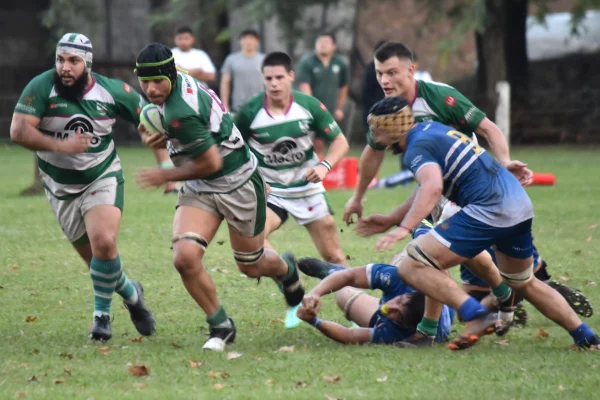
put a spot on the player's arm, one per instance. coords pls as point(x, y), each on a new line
point(493, 135)
point(202, 166)
point(24, 132)
point(342, 334)
point(355, 277)
point(428, 193)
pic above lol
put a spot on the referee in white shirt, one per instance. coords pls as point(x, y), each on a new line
point(195, 61)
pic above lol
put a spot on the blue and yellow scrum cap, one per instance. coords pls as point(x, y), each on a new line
point(156, 61)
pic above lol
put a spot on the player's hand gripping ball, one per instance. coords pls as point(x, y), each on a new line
point(390, 119)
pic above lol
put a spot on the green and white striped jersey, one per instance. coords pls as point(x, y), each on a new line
point(67, 175)
point(283, 144)
point(195, 119)
point(442, 103)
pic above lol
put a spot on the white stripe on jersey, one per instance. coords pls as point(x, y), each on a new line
point(78, 162)
point(451, 151)
point(458, 159)
point(462, 170)
point(60, 190)
point(264, 120)
point(98, 93)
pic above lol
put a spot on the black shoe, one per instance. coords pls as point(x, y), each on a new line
point(141, 316)
point(101, 328)
point(578, 302)
point(219, 337)
point(317, 268)
point(506, 313)
point(521, 316)
point(418, 340)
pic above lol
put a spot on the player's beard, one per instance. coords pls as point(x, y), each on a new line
point(73, 92)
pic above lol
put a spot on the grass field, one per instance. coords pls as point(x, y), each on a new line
point(42, 278)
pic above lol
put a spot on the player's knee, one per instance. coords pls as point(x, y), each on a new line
point(186, 260)
point(249, 262)
point(103, 244)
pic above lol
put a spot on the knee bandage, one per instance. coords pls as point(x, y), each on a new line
point(349, 303)
point(519, 277)
point(415, 252)
point(191, 236)
point(248, 258)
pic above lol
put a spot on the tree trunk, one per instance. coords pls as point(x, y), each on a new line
point(517, 64)
point(491, 45)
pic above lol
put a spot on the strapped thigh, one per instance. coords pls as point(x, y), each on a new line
point(190, 236)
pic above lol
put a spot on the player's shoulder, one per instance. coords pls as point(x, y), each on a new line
point(43, 81)
point(436, 88)
point(311, 103)
point(112, 85)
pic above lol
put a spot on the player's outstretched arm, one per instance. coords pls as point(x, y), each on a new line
point(355, 277)
point(335, 331)
point(24, 132)
point(370, 161)
point(427, 195)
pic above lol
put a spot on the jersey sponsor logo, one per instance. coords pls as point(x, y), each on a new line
point(335, 69)
point(470, 113)
point(100, 191)
point(303, 126)
point(261, 135)
point(79, 123)
point(175, 124)
point(57, 105)
point(323, 107)
point(333, 126)
point(188, 85)
point(385, 278)
point(29, 100)
point(284, 152)
point(450, 101)
point(416, 161)
point(25, 108)
point(127, 88)
point(101, 109)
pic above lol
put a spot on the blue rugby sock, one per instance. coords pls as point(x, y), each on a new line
point(583, 335)
point(471, 309)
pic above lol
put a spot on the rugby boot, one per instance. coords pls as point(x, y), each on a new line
point(141, 316)
point(101, 328)
point(317, 268)
point(219, 337)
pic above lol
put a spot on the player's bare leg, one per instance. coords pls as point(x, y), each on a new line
point(272, 223)
point(102, 224)
point(323, 233)
point(357, 305)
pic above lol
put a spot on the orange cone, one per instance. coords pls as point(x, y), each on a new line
point(543, 179)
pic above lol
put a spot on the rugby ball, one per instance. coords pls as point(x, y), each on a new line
point(151, 119)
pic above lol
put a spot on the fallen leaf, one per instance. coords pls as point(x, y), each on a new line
point(348, 257)
point(542, 333)
point(577, 252)
point(588, 239)
point(593, 226)
point(104, 350)
point(382, 379)
point(277, 321)
point(137, 340)
point(60, 302)
point(561, 387)
point(68, 372)
point(14, 267)
point(30, 319)
point(21, 395)
point(139, 370)
point(196, 364)
point(32, 379)
point(563, 278)
point(257, 358)
point(594, 366)
point(36, 351)
point(218, 386)
point(175, 346)
point(58, 381)
point(502, 342)
point(332, 379)
point(591, 283)
point(269, 382)
point(289, 349)
point(223, 271)
point(67, 355)
point(218, 375)
point(220, 242)
point(1, 287)
point(300, 385)
point(232, 355)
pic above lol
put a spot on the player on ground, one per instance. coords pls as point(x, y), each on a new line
point(67, 116)
point(222, 181)
point(279, 125)
point(496, 211)
point(386, 320)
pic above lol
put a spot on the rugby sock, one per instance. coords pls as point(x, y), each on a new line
point(219, 319)
point(471, 309)
point(428, 327)
point(583, 335)
point(125, 288)
point(290, 273)
point(502, 292)
point(105, 274)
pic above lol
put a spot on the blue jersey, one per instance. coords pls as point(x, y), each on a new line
point(385, 331)
point(472, 178)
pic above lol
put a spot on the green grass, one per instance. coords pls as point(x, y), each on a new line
point(42, 277)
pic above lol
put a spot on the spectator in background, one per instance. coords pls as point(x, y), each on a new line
point(370, 92)
point(324, 75)
point(195, 61)
point(420, 75)
point(243, 69)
